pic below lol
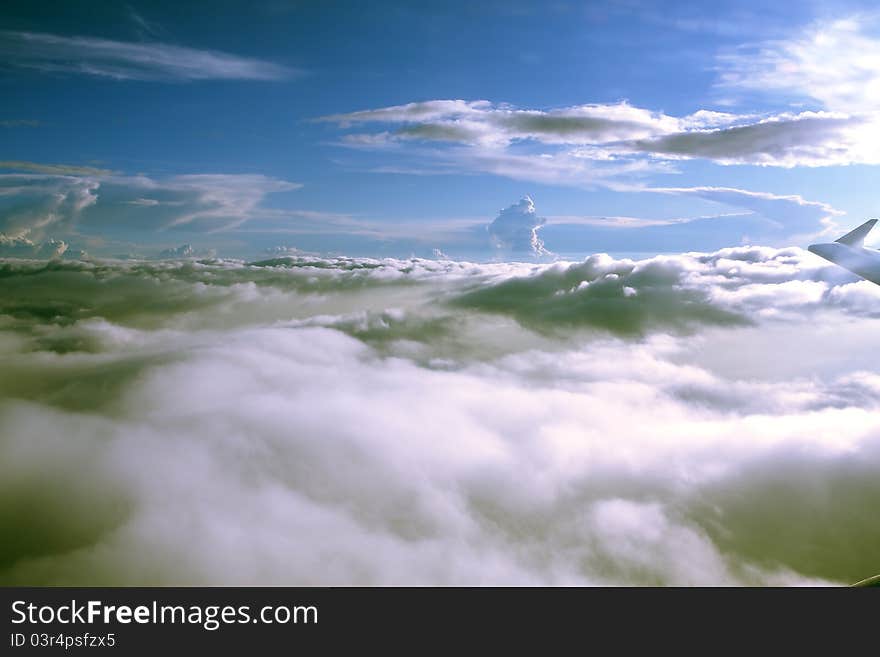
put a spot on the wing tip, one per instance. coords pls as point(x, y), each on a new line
point(856, 236)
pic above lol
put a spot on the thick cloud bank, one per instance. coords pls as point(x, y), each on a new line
point(695, 419)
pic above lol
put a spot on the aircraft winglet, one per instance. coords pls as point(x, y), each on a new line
point(857, 236)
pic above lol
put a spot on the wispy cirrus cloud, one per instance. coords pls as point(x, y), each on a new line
point(31, 204)
point(835, 63)
point(53, 169)
point(789, 214)
point(122, 60)
point(744, 217)
point(144, 27)
point(56, 198)
point(199, 201)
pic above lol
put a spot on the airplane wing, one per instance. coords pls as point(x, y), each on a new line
point(857, 236)
point(850, 253)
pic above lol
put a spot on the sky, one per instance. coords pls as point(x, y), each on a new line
point(133, 129)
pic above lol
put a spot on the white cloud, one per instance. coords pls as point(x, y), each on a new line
point(185, 251)
point(602, 144)
point(483, 123)
point(131, 61)
point(21, 247)
point(748, 217)
point(833, 65)
point(36, 204)
point(576, 168)
point(270, 425)
point(630, 222)
point(120, 207)
point(221, 200)
point(797, 218)
point(423, 111)
point(53, 169)
point(33, 203)
point(516, 228)
point(785, 140)
point(836, 63)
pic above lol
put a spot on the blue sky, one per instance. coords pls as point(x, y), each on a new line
point(401, 128)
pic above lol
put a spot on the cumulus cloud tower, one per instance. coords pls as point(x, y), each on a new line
point(516, 228)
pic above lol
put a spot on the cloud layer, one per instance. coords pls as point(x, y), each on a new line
point(353, 421)
point(609, 135)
